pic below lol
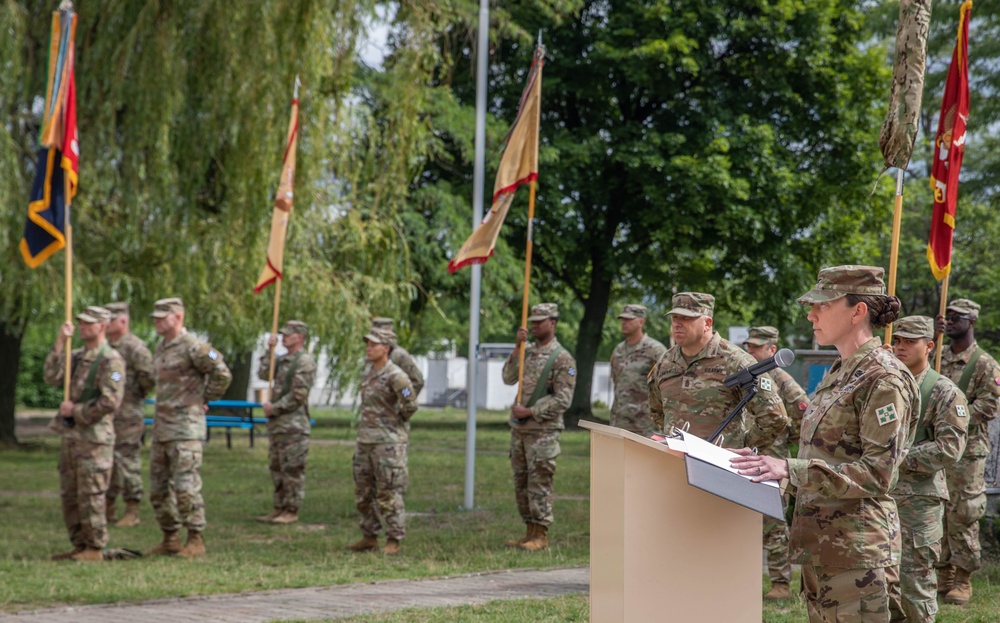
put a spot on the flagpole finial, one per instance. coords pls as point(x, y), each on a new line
point(66, 5)
point(539, 37)
point(298, 83)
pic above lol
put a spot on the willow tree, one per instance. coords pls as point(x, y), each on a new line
point(182, 113)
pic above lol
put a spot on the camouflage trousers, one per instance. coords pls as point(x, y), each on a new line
point(84, 472)
point(967, 488)
point(287, 461)
point(835, 595)
point(779, 569)
point(533, 460)
point(381, 477)
point(913, 597)
point(175, 484)
point(126, 478)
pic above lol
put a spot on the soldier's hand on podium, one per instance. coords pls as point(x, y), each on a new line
point(761, 468)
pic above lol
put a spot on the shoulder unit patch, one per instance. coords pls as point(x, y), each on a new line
point(765, 383)
point(571, 371)
point(886, 414)
point(962, 411)
point(116, 376)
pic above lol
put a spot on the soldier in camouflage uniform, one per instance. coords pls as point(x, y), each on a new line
point(85, 423)
point(288, 420)
point(977, 375)
point(126, 479)
point(631, 362)
point(381, 474)
point(921, 491)
point(189, 374)
point(686, 385)
point(400, 356)
point(855, 432)
point(761, 344)
point(536, 420)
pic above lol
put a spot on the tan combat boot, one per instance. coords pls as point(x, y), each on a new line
point(961, 591)
point(946, 579)
point(195, 546)
point(366, 544)
point(131, 517)
point(286, 517)
point(779, 590)
point(89, 554)
point(171, 545)
point(268, 518)
point(68, 555)
point(529, 534)
point(109, 511)
point(539, 542)
point(392, 547)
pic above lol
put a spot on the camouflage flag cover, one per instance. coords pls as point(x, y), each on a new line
point(949, 146)
point(518, 166)
point(282, 208)
point(899, 131)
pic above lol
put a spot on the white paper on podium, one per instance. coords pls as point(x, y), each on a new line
point(714, 455)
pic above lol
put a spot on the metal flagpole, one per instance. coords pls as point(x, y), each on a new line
point(478, 188)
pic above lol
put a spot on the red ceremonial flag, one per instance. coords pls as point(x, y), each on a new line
point(519, 165)
point(282, 208)
point(949, 146)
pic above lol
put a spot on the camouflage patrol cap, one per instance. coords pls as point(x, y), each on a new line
point(914, 327)
point(94, 314)
point(692, 304)
point(762, 335)
point(294, 327)
point(382, 322)
point(117, 309)
point(381, 336)
point(164, 307)
point(839, 281)
point(544, 311)
point(632, 311)
point(965, 306)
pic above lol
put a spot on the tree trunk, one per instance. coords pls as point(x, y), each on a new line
point(588, 341)
point(10, 361)
point(240, 365)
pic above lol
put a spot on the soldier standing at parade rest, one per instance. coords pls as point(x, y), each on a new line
point(631, 362)
point(400, 356)
point(855, 433)
point(288, 425)
point(126, 479)
point(189, 374)
point(85, 423)
point(977, 375)
point(546, 392)
point(761, 344)
point(921, 491)
point(381, 474)
point(686, 385)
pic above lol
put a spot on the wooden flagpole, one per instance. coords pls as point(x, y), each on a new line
point(527, 287)
point(68, 235)
point(897, 219)
point(939, 337)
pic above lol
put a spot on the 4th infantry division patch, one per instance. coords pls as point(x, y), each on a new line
point(886, 414)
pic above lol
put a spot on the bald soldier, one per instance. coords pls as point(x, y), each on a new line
point(400, 356)
point(977, 375)
point(762, 343)
point(189, 375)
point(126, 478)
point(631, 362)
point(535, 423)
point(686, 386)
point(85, 423)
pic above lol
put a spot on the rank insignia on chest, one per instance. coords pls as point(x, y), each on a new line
point(962, 412)
point(765, 384)
point(116, 376)
point(687, 382)
point(886, 414)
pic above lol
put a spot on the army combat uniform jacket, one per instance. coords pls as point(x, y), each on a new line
point(982, 393)
point(189, 374)
point(294, 376)
point(94, 409)
point(139, 379)
point(854, 436)
point(630, 366)
point(388, 400)
point(547, 413)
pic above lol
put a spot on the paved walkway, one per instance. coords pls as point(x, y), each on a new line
point(328, 602)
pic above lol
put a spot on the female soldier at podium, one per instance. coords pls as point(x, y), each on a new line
point(845, 530)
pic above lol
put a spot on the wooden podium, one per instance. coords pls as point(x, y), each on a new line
point(661, 550)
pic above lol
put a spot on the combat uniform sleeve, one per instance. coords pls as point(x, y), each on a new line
point(796, 402)
point(412, 370)
point(142, 368)
point(55, 368)
point(767, 414)
point(510, 367)
point(951, 419)
point(985, 400)
point(209, 362)
point(298, 394)
point(264, 366)
point(406, 397)
point(872, 474)
point(655, 400)
point(110, 382)
point(552, 406)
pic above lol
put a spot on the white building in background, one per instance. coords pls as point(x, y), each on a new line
point(444, 381)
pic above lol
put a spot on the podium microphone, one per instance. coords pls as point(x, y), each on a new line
point(749, 374)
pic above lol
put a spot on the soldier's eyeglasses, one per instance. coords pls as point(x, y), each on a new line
point(956, 317)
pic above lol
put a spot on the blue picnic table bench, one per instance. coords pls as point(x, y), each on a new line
point(229, 414)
